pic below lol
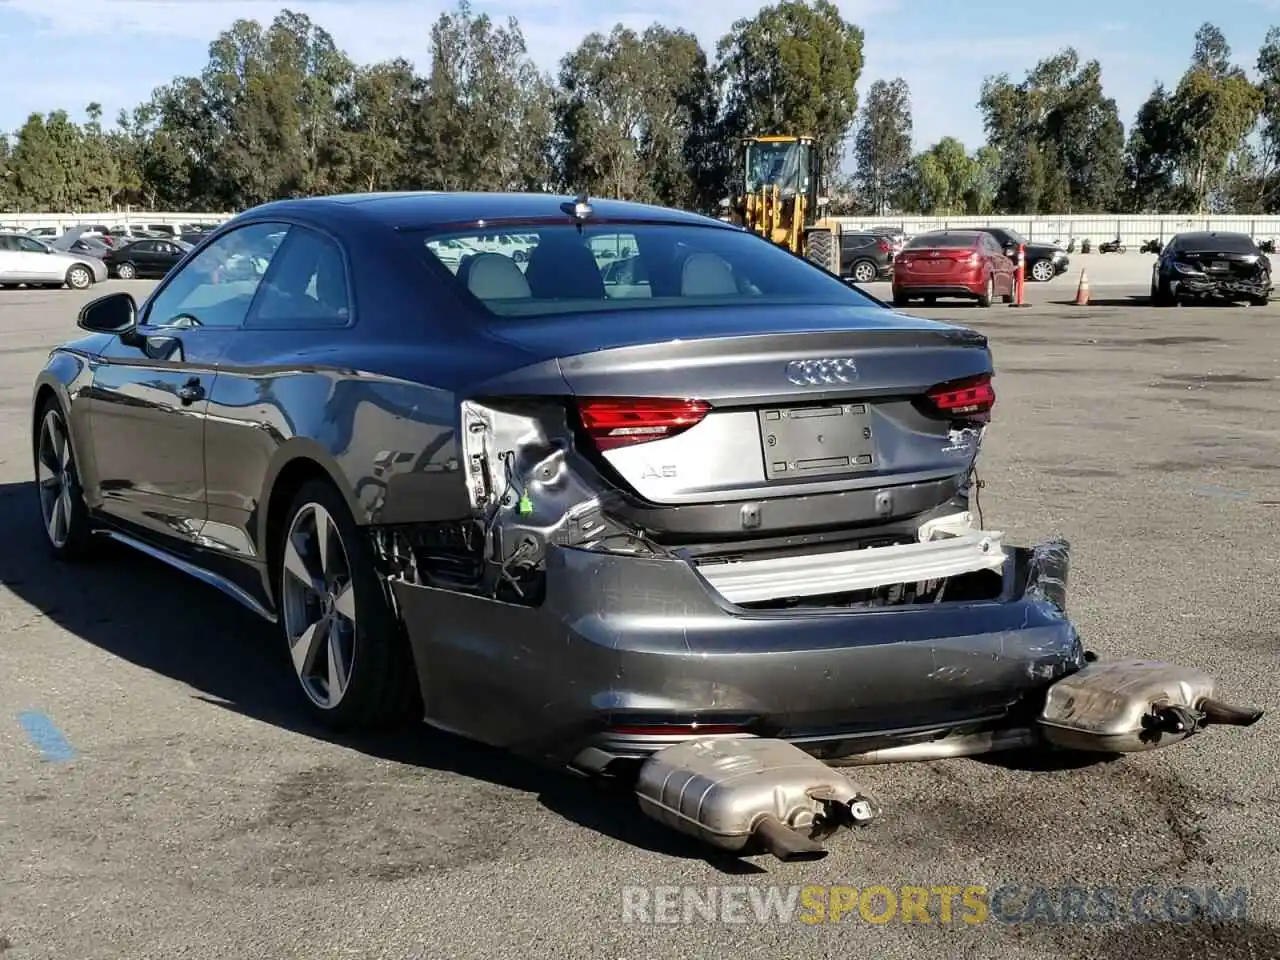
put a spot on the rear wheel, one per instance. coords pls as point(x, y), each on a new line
point(1161, 293)
point(79, 277)
point(126, 271)
point(348, 650)
point(864, 271)
point(1259, 301)
point(988, 294)
point(63, 512)
point(900, 299)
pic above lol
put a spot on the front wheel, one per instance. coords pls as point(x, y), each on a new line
point(349, 652)
point(126, 271)
point(1042, 271)
point(79, 278)
point(63, 512)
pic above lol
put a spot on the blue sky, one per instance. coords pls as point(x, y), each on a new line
point(66, 53)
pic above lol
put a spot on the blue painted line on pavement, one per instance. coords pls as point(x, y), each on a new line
point(1212, 491)
point(46, 737)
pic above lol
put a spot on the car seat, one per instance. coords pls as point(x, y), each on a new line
point(707, 275)
point(562, 268)
point(492, 276)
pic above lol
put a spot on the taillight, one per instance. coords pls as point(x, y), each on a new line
point(965, 397)
point(972, 259)
point(614, 422)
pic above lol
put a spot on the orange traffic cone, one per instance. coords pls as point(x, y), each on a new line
point(1082, 290)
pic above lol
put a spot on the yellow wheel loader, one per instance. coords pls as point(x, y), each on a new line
point(780, 196)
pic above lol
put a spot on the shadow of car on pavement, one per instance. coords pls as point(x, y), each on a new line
point(184, 630)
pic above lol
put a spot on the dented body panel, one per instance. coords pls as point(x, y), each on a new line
point(648, 642)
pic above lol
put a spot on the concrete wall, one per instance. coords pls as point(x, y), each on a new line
point(1133, 231)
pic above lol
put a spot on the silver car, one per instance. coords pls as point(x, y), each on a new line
point(27, 260)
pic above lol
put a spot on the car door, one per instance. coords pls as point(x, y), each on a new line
point(36, 264)
point(10, 260)
point(167, 256)
point(149, 401)
point(304, 303)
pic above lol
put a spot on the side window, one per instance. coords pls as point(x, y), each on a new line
point(217, 287)
point(143, 246)
point(30, 246)
point(306, 286)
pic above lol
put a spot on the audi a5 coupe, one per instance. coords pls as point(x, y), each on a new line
point(555, 505)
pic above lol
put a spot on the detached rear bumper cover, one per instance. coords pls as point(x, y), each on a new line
point(622, 643)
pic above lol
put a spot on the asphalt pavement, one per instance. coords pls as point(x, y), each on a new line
point(160, 798)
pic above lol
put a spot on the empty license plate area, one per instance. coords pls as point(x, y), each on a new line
point(1219, 266)
point(817, 441)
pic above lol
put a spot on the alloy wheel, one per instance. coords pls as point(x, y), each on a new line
point(318, 604)
point(1042, 271)
point(864, 273)
point(125, 271)
point(79, 278)
point(55, 477)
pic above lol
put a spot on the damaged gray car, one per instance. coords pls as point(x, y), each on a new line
point(1211, 265)
point(586, 513)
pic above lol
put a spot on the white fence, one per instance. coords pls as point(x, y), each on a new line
point(64, 221)
point(1132, 230)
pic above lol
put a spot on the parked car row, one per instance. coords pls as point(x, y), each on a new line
point(90, 253)
point(869, 255)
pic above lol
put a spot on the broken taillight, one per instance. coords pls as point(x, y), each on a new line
point(614, 422)
point(964, 398)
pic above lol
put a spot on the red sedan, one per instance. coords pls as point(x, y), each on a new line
point(952, 263)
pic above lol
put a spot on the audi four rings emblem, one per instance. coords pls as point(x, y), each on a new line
point(813, 373)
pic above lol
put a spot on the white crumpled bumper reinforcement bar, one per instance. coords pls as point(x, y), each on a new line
point(818, 574)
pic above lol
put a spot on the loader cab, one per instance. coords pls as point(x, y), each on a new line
point(780, 191)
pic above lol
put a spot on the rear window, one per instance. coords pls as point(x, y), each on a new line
point(1217, 243)
point(557, 268)
point(943, 241)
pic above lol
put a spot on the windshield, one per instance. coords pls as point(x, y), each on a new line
point(943, 241)
point(783, 164)
point(1015, 237)
point(558, 269)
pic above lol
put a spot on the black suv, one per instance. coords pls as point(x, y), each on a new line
point(865, 256)
point(1044, 260)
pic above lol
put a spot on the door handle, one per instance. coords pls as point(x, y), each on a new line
point(191, 391)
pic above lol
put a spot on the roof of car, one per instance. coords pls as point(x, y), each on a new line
point(427, 209)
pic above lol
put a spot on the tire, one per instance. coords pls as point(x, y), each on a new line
point(63, 512)
point(900, 299)
point(367, 648)
point(864, 271)
point(1161, 295)
point(989, 293)
point(79, 277)
point(126, 271)
point(1041, 271)
point(1259, 301)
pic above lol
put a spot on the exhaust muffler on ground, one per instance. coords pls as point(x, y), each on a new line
point(745, 795)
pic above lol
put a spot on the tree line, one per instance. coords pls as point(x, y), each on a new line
point(280, 111)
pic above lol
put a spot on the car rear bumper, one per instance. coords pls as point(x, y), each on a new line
point(626, 655)
point(935, 288)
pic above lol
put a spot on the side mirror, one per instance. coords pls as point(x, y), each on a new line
point(115, 313)
point(1010, 251)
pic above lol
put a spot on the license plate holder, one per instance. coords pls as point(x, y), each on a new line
point(817, 441)
point(1219, 266)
